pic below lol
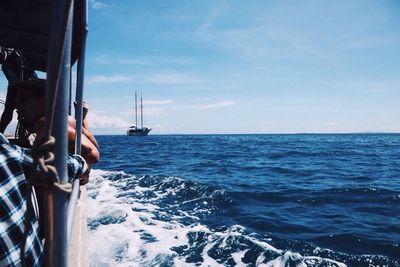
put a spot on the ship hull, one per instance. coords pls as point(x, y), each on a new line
point(138, 132)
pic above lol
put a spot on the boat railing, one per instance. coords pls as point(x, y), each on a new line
point(79, 108)
point(54, 51)
point(66, 214)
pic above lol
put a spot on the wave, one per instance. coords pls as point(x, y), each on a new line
point(156, 221)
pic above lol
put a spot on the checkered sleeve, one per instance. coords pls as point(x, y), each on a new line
point(13, 209)
point(75, 163)
point(15, 165)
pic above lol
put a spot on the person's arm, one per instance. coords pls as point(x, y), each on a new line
point(89, 148)
point(74, 161)
point(88, 133)
point(85, 126)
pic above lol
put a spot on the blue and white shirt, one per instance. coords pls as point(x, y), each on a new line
point(15, 164)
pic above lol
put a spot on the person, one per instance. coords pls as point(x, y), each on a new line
point(31, 112)
point(15, 72)
point(15, 166)
point(15, 229)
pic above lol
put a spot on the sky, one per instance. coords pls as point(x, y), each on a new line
point(209, 66)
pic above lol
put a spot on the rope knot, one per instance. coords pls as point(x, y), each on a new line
point(45, 174)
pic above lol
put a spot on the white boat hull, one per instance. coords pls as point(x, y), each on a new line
point(133, 131)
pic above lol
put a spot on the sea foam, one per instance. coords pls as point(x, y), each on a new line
point(128, 226)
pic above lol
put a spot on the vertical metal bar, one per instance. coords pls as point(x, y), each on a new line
point(70, 95)
point(80, 81)
point(78, 111)
point(60, 131)
point(61, 109)
point(57, 85)
point(71, 205)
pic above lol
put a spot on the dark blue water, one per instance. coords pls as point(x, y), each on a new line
point(334, 196)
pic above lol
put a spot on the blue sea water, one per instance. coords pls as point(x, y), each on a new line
point(246, 200)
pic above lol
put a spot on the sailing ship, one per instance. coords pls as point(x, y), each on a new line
point(135, 130)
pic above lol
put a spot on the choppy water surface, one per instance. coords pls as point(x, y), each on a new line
point(246, 200)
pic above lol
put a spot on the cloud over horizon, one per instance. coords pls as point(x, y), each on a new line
point(97, 121)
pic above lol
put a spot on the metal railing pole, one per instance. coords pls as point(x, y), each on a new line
point(60, 132)
point(58, 79)
point(78, 112)
point(80, 81)
point(71, 205)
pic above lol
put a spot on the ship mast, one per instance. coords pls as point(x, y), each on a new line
point(136, 109)
point(141, 110)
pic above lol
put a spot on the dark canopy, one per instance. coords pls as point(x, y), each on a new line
point(25, 26)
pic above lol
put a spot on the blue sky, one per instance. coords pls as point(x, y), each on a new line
point(244, 66)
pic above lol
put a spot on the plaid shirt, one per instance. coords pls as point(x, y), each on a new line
point(15, 163)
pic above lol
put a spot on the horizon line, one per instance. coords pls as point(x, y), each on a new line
point(299, 133)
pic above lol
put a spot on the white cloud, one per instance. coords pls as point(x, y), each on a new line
point(164, 78)
point(152, 107)
point(154, 111)
point(331, 126)
point(216, 105)
point(158, 102)
point(103, 60)
point(273, 38)
point(162, 129)
point(262, 41)
point(97, 121)
point(98, 4)
point(170, 78)
point(142, 62)
point(154, 102)
point(110, 78)
point(149, 111)
point(146, 61)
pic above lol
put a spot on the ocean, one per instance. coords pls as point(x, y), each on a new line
point(246, 200)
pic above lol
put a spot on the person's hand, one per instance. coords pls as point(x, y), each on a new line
point(40, 128)
point(84, 108)
point(84, 176)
